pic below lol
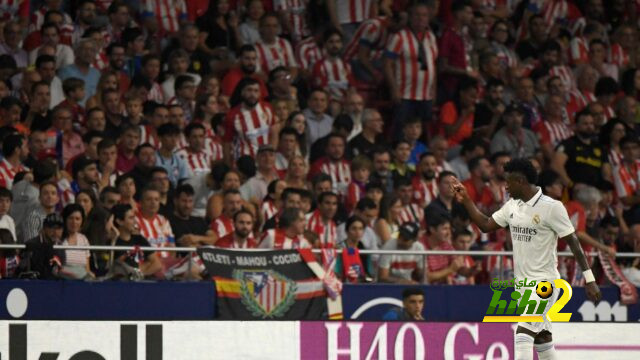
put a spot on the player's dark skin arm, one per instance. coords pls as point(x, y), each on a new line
point(592, 290)
point(483, 222)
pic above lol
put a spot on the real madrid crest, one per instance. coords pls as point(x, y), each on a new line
point(536, 219)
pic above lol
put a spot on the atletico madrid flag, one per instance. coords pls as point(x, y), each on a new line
point(257, 285)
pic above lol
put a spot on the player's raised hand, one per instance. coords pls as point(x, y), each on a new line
point(593, 292)
point(459, 191)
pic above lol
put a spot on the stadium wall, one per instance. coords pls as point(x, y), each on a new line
point(76, 300)
point(193, 340)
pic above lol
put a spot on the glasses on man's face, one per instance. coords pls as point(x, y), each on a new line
point(164, 178)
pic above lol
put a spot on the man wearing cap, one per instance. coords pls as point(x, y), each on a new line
point(402, 269)
point(255, 189)
point(513, 138)
point(39, 251)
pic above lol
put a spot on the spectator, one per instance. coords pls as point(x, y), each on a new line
point(382, 169)
point(297, 172)
point(411, 212)
point(32, 223)
point(334, 164)
point(248, 29)
point(593, 164)
point(370, 137)
point(402, 269)
point(247, 67)
point(26, 192)
point(360, 169)
point(287, 149)
point(255, 189)
point(6, 221)
point(443, 204)
point(441, 268)
point(360, 268)
point(242, 236)
point(86, 175)
point(454, 59)
point(627, 177)
point(412, 133)
point(124, 228)
point(519, 142)
point(331, 73)
point(126, 186)
point(109, 197)
point(462, 240)
point(39, 251)
point(367, 211)
point(457, 117)
point(175, 165)
point(289, 235)
point(274, 51)
point(188, 230)
point(425, 186)
point(248, 135)
point(50, 35)
point(389, 222)
point(46, 67)
point(400, 167)
point(146, 161)
point(197, 159)
point(411, 78)
point(83, 68)
point(219, 28)
point(13, 36)
point(412, 307)
point(232, 203)
point(321, 221)
point(15, 150)
point(471, 148)
point(153, 226)
point(76, 263)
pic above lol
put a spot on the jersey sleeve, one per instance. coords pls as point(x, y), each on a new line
point(501, 216)
point(229, 128)
point(558, 220)
point(267, 241)
point(393, 46)
point(290, 55)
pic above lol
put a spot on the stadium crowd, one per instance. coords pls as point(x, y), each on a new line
point(311, 123)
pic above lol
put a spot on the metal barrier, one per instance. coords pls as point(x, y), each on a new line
point(500, 254)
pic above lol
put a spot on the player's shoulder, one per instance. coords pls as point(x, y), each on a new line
point(547, 201)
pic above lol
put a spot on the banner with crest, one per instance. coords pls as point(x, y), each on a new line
point(259, 285)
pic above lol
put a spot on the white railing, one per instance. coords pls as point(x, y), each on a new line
point(499, 254)
point(366, 252)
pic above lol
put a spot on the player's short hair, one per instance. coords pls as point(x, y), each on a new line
point(524, 167)
point(408, 292)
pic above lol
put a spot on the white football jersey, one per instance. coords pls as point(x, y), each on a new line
point(535, 227)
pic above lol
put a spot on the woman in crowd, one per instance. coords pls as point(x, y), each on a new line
point(297, 121)
point(219, 30)
point(126, 186)
point(388, 225)
point(76, 262)
point(297, 173)
point(349, 267)
point(108, 81)
point(249, 33)
point(610, 136)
